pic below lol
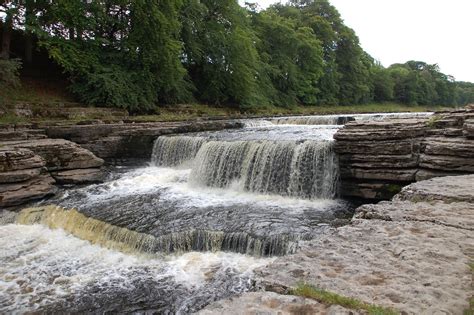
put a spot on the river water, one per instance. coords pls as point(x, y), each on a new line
point(181, 232)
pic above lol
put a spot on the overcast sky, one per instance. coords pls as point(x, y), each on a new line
point(393, 31)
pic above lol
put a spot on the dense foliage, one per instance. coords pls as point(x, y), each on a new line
point(135, 54)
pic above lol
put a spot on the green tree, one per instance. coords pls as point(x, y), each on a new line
point(292, 59)
point(220, 53)
point(383, 84)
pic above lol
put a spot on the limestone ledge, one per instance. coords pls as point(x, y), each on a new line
point(29, 169)
point(378, 158)
point(410, 254)
point(122, 143)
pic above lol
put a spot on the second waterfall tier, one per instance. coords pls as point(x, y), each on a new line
point(304, 168)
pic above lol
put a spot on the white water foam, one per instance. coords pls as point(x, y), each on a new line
point(173, 185)
point(43, 266)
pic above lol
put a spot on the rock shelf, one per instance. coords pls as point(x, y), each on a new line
point(378, 158)
point(411, 254)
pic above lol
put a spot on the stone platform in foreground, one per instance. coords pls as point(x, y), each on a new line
point(411, 254)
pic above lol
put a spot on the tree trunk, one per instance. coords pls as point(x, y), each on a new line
point(71, 33)
point(6, 37)
point(28, 48)
point(29, 18)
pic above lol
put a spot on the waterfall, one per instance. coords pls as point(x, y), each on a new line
point(306, 169)
point(313, 120)
point(342, 119)
point(256, 123)
point(173, 151)
point(128, 241)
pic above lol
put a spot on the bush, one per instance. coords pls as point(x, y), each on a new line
point(115, 87)
point(9, 72)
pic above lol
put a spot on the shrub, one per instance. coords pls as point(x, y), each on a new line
point(9, 72)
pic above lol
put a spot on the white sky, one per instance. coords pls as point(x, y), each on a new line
point(395, 31)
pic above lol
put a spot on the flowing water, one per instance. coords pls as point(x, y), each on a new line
point(341, 119)
point(184, 231)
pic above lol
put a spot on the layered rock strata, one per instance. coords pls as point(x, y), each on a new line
point(29, 169)
point(411, 254)
point(130, 142)
point(378, 158)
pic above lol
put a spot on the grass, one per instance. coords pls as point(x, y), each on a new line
point(431, 123)
point(322, 296)
point(470, 310)
point(11, 119)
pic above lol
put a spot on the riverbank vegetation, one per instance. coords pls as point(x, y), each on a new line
point(329, 298)
point(140, 55)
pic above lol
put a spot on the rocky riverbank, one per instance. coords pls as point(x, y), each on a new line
point(30, 168)
point(378, 158)
point(34, 159)
point(411, 254)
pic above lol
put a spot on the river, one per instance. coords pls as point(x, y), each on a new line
point(183, 231)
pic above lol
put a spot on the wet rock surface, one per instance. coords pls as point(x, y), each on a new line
point(411, 254)
point(377, 158)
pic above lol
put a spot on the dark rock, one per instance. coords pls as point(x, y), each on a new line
point(121, 141)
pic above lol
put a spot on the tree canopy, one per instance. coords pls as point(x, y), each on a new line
point(138, 54)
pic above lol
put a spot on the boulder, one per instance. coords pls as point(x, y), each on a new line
point(446, 189)
point(26, 167)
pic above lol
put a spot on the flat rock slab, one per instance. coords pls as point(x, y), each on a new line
point(416, 267)
point(447, 189)
point(269, 303)
point(79, 176)
point(411, 254)
point(457, 214)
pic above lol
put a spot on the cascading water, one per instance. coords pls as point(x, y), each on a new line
point(174, 151)
point(287, 168)
point(341, 119)
point(234, 195)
